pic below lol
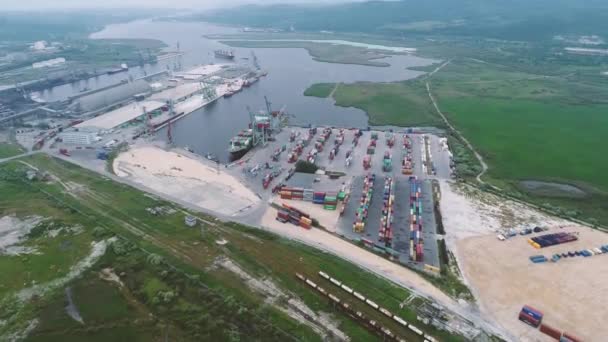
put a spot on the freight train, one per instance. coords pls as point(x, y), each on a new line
point(372, 304)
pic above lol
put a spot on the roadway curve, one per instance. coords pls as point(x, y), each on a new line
point(484, 166)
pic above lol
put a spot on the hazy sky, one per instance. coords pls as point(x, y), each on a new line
point(199, 4)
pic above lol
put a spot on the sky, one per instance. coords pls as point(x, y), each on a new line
point(198, 4)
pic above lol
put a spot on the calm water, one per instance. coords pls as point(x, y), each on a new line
point(291, 71)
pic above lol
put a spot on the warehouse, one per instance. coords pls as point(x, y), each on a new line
point(78, 137)
point(178, 93)
point(122, 115)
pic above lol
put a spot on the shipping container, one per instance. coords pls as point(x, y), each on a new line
point(548, 330)
point(572, 337)
point(532, 311)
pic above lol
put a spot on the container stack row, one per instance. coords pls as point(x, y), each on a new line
point(292, 193)
point(294, 216)
point(366, 198)
point(416, 242)
point(534, 317)
point(390, 139)
point(406, 163)
point(331, 201)
point(548, 240)
point(386, 220)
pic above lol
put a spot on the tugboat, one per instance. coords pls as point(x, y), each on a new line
point(225, 54)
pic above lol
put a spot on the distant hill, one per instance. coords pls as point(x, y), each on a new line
point(500, 19)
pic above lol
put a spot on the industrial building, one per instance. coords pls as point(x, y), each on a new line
point(178, 93)
point(78, 137)
point(105, 97)
point(123, 115)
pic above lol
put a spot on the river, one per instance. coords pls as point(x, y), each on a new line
point(290, 72)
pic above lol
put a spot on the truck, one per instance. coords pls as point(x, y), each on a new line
point(64, 151)
point(102, 155)
point(367, 162)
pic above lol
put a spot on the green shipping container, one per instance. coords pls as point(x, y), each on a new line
point(329, 207)
point(341, 195)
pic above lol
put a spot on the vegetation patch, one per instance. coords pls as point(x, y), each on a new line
point(322, 90)
point(322, 52)
point(166, 281)
point(396, 104)
point(10, 150)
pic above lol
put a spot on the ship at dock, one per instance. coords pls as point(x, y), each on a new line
point(225, 54)
point(263, 126)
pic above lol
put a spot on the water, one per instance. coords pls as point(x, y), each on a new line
point(291, 71)
point(64, 91)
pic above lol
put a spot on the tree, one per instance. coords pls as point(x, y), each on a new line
point(306, 167)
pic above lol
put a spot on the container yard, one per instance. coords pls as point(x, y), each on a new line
point(384, 207)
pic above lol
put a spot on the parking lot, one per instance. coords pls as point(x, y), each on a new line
point(353, 181)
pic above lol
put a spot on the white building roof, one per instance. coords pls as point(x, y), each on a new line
point(121, 115)
point(177, 92)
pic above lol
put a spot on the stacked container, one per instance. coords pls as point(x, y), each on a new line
point(386, 220)
point(308, 195)
point(416, 242)
point(294, 216)
point(330, 202)
point(548, 240)
point(318, 198)
point(366, 197)
point(387, 162)
point(390, 139)
point(367, 162)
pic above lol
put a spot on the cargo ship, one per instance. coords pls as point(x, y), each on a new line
point(241, 144)
point(224, 54)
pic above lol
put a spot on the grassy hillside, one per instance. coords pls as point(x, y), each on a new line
point(513, 20)
point(170, 281)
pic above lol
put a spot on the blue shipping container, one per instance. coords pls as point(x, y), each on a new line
point(532, 312)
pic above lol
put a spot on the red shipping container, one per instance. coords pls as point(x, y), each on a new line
point(548, 330)
point(572, 338)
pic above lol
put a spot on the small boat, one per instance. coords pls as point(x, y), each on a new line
point(212, 157)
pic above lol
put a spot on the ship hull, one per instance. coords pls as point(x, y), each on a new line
point(229, 57)
point(236, 155)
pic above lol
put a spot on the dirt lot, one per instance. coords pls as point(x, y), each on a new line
point(571, 292)
point(184, 177)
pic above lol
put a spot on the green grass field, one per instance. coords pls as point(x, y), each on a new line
point(322, 90)
point(399, 104)
point(322, 52)
point(163, 294)
point(9, 150)
point(533, 127)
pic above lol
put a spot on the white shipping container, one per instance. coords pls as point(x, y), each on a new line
point(309, 282)
point(372, 304)
point(414, 329)
point(386, 312)
point(346, 288)
point(400, 321)
point(323, 274)
point(358, 295)
point(337, 283)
